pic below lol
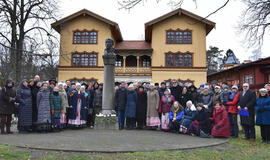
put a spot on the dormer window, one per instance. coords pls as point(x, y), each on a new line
point(85, 37)
point(178, 36)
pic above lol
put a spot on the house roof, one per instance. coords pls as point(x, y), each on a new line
point(148, 26)
point(133, 46)
point(263, 61)
point(231, 58)
point(114, 26)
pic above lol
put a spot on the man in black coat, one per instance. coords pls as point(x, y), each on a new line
point(162, 89)
point(176, 90)
point(246, 106)
point(7, 108)
point(91, 112)
point(120, 103)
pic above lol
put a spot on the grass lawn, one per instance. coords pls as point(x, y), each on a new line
point(235, 149)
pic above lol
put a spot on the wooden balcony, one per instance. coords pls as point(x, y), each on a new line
point(133, 71)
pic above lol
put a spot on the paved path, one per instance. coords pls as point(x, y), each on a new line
point(102, 140)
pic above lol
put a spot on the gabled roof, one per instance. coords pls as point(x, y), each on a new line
point(133, 46)
point(148, 26)
point(231, 58)
point(114, 26)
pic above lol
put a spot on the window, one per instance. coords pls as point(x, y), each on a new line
point(178, 37)
point(146, 63)
point(84, 59)
point(85, 37)
point(248, 79)
point(76, 60)
point(119, 61)
point(93, 60)
point(179, 59)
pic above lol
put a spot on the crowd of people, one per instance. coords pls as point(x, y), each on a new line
point(208, 111)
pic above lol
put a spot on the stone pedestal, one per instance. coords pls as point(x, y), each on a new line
point(108, 86)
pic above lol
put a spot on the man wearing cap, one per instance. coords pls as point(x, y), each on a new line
point(247, 102)
point(206, 98)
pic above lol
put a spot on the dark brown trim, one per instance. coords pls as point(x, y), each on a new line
point(178, 67)
point(80, 53)
point(178, 30)
point(133, 50)
point(182, 81)
point(182, 53)
point(84, 30)
point(80, 67)
point(83, 79)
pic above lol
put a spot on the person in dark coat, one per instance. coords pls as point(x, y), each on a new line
point(232, 110)
point(34, 91)
point(97, 101)
point(263, 114)
point(24, 98)
point(206, 98)
point(203, 119)
point(120, 103)
point(141, 108)
point(176, 90)
point(162, 89)
point(194, 95)
point(189, 116)
point(246, 106)
point(91, 112)
point(130, 110)
point(56, 108)
point(175, 116)
point(217, 94)
point(8, 98)
point(44, 111)
point(185, 96)
point(221, 127)
point(225, 96)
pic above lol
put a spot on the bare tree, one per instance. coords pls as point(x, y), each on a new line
point(129, 4)
point(256, 55)
point(23, 21)
point(255, 21)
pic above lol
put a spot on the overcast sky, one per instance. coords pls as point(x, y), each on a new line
point(224, 36)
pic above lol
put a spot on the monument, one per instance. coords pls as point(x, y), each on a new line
point(109, 58)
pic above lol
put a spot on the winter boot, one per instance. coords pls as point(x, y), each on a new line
point(8, 130)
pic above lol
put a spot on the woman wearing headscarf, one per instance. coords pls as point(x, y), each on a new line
point(78, 103)
point(263, 114)
point(190, 114)
point(166, 103)
point(24, 98)
point(44, 111)
point(7, 108)
point(152, 118)
point(64, 98)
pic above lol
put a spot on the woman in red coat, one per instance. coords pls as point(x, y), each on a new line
point(233, 111)
point(220, 119)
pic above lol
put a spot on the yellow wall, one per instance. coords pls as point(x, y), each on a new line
point(198, 46)
point(198, 75)
point(81, 23)
point(80, 73)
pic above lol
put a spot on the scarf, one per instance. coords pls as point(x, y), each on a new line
point(168, 99)
point(175, 112)
point(140, 92)
point(232, 95)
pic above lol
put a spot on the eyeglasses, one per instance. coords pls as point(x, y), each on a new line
point(245, 86)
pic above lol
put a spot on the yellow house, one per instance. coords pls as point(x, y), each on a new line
point(174, 48)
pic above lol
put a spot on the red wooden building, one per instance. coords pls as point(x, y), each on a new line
point(256, 73)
